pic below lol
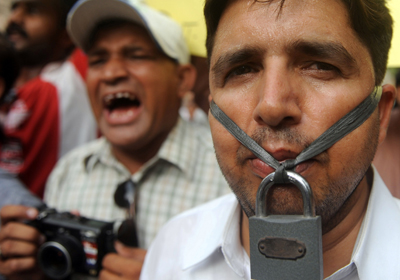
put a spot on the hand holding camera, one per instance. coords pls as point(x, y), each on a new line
point(56, 245)
point(19, 244)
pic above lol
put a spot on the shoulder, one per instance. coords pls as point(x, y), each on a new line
point(202, 212)
point(183, 228)
point(200, 133)
point(36, 86)
point(75, 160)
point(194, 234)
point(81, 152)
point(71, 167)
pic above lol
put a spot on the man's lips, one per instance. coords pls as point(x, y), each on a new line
point(121, 108)
point(16, 31)
point(262, 169)
point(15, 37)
point(121, 116)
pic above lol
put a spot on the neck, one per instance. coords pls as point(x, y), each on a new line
point(27, 74)
point(134, 159)
point(338, 243)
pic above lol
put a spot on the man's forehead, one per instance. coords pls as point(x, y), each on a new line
point(266, 23)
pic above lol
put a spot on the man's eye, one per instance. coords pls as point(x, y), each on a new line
point(322, 66)
point(95, 61)
point(33, 9)
point(240, 70)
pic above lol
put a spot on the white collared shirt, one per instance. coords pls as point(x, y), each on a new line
point(204, 243)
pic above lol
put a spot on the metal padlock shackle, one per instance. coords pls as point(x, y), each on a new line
point(297, 180)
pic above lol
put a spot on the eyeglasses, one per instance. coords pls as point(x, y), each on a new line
point(125, 197)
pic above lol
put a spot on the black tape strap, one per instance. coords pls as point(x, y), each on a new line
point(340, 129)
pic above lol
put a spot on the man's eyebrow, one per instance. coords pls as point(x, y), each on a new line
point(234, 58)
point(324, 50)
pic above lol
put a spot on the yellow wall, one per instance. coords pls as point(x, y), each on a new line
point(189, 13)
point(394, 55)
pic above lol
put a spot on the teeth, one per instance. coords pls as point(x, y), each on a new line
point(110, 97)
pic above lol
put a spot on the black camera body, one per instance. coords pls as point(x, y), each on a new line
point(73, 244)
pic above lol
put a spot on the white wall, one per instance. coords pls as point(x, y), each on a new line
point(4, 10)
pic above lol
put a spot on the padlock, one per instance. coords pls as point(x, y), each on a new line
point(285, 247)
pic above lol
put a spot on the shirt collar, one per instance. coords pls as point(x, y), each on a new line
point(378, 242)
point(102, 154)
point(216, 237)
point(179, 148)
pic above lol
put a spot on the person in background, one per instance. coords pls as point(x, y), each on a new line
point(195, 103)
point(12, 191)
point(51, 114)
point(387, 158)
point(285, 72)
point(139, 70)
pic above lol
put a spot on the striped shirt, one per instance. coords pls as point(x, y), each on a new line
point(183, 174)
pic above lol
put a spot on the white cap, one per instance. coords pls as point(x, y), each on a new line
point(85, 15)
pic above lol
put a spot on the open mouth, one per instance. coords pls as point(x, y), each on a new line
point(121, 107)
point(120, 100)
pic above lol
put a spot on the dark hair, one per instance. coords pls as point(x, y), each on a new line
point(370, 19)
point(9, 65)
point(9, 71)
point(64, 6)
point(398, 78)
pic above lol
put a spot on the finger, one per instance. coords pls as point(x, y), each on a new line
point(119, 265)
point(35, 274)
point(20, 231)
point(75, 212)
point(17, 212)
point(129, 252)
point(17, 265)
point(11, 248)
point(108, 275)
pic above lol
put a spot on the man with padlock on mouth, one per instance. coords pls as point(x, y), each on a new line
point(148, 166)
point(297, 112)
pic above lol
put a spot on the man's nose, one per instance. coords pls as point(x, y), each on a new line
point(278, 98)
point(114, 71)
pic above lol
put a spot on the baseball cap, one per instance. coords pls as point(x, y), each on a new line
point(85, 15)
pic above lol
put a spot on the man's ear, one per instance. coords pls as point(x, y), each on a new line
point(187, 76)
point(385, 109)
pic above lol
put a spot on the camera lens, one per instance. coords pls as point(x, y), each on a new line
point(55, 259)
point(59, 257)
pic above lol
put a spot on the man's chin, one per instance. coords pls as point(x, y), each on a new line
point(281, 200)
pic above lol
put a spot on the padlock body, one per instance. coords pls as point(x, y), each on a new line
point(292, 229)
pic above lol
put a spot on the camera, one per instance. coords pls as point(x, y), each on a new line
point(73, 244)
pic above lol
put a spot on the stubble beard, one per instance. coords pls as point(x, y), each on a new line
point(337, 191)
